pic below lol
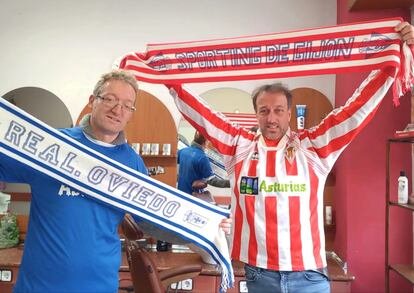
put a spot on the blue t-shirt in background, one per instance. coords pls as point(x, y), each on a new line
point(194, 165)
point(72, 242)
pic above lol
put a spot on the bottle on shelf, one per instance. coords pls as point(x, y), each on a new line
point(402, 188)
point(328, 215)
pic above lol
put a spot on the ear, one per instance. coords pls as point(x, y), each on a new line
point(289, 114)
point(91, 100)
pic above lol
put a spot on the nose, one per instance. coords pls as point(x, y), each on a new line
point(117, 109)
point(272, 117)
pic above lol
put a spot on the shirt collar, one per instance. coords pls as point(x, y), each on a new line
point(87, 129)
point(194, 144)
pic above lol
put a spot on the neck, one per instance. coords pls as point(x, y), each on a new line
point(193, 143)
point(271, 142)
point(108, 138)
point(102, 136)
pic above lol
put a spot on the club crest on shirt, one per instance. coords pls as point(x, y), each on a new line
point(290, 153)
point(255, 156)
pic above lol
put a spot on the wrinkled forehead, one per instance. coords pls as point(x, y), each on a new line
point(120, 89)
point(272, 100)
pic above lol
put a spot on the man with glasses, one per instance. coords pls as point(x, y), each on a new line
point(112, 104)
point(72, 244)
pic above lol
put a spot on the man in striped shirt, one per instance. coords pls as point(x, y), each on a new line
point(278, 176)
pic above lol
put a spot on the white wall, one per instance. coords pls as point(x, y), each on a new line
point(63, 46)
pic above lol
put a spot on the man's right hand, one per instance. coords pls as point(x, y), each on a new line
point(225, 224)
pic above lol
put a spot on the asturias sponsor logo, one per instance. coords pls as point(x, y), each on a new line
point(282, 187)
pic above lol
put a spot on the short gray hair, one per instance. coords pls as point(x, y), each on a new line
point(272, 88)
point(115, 75)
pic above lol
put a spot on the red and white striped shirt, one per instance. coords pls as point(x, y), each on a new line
point(277, 192)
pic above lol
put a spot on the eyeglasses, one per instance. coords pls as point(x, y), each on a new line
point(112, 102)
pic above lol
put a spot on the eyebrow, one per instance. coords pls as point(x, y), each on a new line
point(266, 107)
point(115, 96)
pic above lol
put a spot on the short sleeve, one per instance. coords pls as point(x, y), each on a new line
point(13, 171)
point(205, 167)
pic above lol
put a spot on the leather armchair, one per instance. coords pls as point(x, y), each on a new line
point(144, 273)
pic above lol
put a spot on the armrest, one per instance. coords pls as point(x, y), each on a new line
point(180, 273)
point(206, 196)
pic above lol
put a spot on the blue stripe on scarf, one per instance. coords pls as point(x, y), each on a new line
point(115, 165)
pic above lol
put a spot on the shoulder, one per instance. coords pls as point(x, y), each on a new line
point(186, 151)
point(202, 156)
point(197, 150)
point(75, 132)
point(139, 164)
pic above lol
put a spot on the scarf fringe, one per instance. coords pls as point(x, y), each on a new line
point(405, 76)
point(227, 279)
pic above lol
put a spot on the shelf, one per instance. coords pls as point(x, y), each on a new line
point(406, 271)
point(406, 206)
point(20, 196)
point(402, 139)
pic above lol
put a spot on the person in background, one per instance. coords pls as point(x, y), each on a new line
point(277, 179)
point(194, 168)
point(194, 174)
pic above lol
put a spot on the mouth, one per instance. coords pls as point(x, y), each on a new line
point(114, 119)
point(273, 127)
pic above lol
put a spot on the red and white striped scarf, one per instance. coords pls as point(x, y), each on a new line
point(343, 48)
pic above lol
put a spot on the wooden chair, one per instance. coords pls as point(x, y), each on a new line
point(144, 273)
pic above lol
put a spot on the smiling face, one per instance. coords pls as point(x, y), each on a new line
point(273, 114)
point(106, 121)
